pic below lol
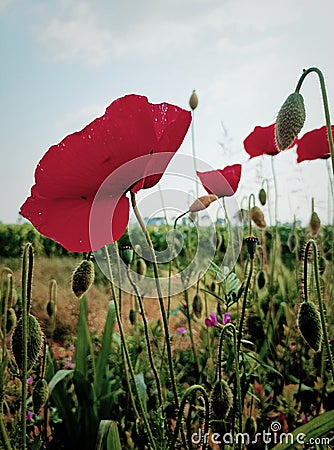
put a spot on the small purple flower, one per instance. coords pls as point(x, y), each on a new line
point(30, 380)
point(181, 330)
point(71, 348)
point(29, 415)
point(304, 418)
point(212, 321)
point(68, 365)
point(226, 318)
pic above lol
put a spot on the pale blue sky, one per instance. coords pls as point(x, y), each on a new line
point(63, 62)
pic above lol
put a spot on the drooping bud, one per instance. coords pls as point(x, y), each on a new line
point(83, 278)
point(292, 241)
point(51, 308)
point(198, 306)
point(202, 202)
point(252, 243)
point(309, 324)
point(34, 342)
point(11, 320)
point(221, 400)
point(126, 253)
point(314, 224)
point(261, 279)
point(141, 267)
point(257, 217)
point(262, 196)
point(40, 394)
point(193, 101)
point(132, 316)
point(290, 120)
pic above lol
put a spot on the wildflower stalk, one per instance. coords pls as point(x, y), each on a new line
point(127, 356)
point(27, 266)
point(250, 198)
point(312, 243)
point(147, 338)
point(265, 181)
point(161, 300)
point(188, 393)
point(228, 327)
point(193, 147)
point(4, 435)
point(230, 231)
point(244, 302)
point(325, 104)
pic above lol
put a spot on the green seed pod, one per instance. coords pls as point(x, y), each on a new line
point(11, 320)
point(198, 306)
point(141, 267)
point(83, 278)
point(292, 242)
point(309, 324)
point(34, 342)
point(252, 243)
point(314, 223)
point(132, 316)
point(290, 120)
point(51, 308)
point(262, 196)
point(257, 217)
point(126, 253)
point(193, 101)
point(221, 400)
point(40, 394)
point(261, 279)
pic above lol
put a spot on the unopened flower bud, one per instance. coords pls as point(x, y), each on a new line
point(141, 267)
point(34, 342)
point(221, 400)
point(83, 278)
point(309, 324)
point(314, 224)
point(292, 241)
point(40, 394)
point(262, 196)
point(290, 120)
point(202, 202)
point(261, 279)
point(11, 320)
point(198, 306)
point(193, 101)
point(257, 217)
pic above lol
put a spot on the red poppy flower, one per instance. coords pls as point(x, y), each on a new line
point(79, 197)
point(313, 145)
point(222, 183)
point(261, 141)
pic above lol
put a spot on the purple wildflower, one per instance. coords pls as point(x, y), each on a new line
point(226, 318)
point(212, 321)
point(181, 330)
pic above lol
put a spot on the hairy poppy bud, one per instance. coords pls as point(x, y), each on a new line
point(51, 308)
point(83, 278)
point(290, 120)
point(40, 394)
point(202, 202)
point(198, 306)
point(257, 217)
point(262, 196)
point(221, 400)
point(251, 242)
point(11, 320)
point(126, 253)
point(309, 324)
point(34, 342)
point(261, 279)
point(132, 316)
point(314, 223)
point(141, 267)
point(193, 101)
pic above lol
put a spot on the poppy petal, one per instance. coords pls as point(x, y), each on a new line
point(314, 145)
point(261, 141)
point(222, 183)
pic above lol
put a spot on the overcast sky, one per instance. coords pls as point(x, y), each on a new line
point(63, 62)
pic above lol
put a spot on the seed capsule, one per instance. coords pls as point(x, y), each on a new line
point(221, 400)
point(126, 253)
point(262, 196)
point(290, 120)
point(40, 394)
point(34, 342)
point(252, 243)
point(198, 306)
point(193, 101)
point(309, 324)
point(83, 278)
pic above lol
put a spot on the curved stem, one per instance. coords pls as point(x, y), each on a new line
point(325, 103)
point(161, 300)
point(187, 393)
point(312, 243)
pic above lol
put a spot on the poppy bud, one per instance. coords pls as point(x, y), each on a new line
point(132, 316)
point(83, 278)
point(193, 101)
point(202, 202)
point(213, 287)
point(34, 342)
point(251, 242)
point(292, 242)
point(290, 120)
point(262, 196)
point(141, 267)
point(198, 306)
point(11, 320)
point(322, 265)
point(250, 426)
point(261, 279)
point(309, 324)
point(126, 253)
point(314, 223)
point(257, 217)
point(40, 394)
point(51, 308)
point(221, 400)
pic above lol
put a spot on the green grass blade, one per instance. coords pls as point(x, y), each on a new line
point(108, 437)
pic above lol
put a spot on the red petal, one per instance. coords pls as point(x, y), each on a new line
point(222, 183)
point(261, 141)
point(314, 145)
point(69, 221)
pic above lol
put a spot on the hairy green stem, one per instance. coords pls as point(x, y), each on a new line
point(161, 300)
point(312, 243)
point(250, 198)
point(193, 148)
point(325, 104)
point(244, 302)
point(4, 434)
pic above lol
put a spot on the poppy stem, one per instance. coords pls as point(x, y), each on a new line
point(250, 198)
point(325, 103)
point(193, 148)
point(161, 300)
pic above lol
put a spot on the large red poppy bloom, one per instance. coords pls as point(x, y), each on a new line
point(222, 183)
point(261, 141)
point(314, 145)
point(81, 183)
